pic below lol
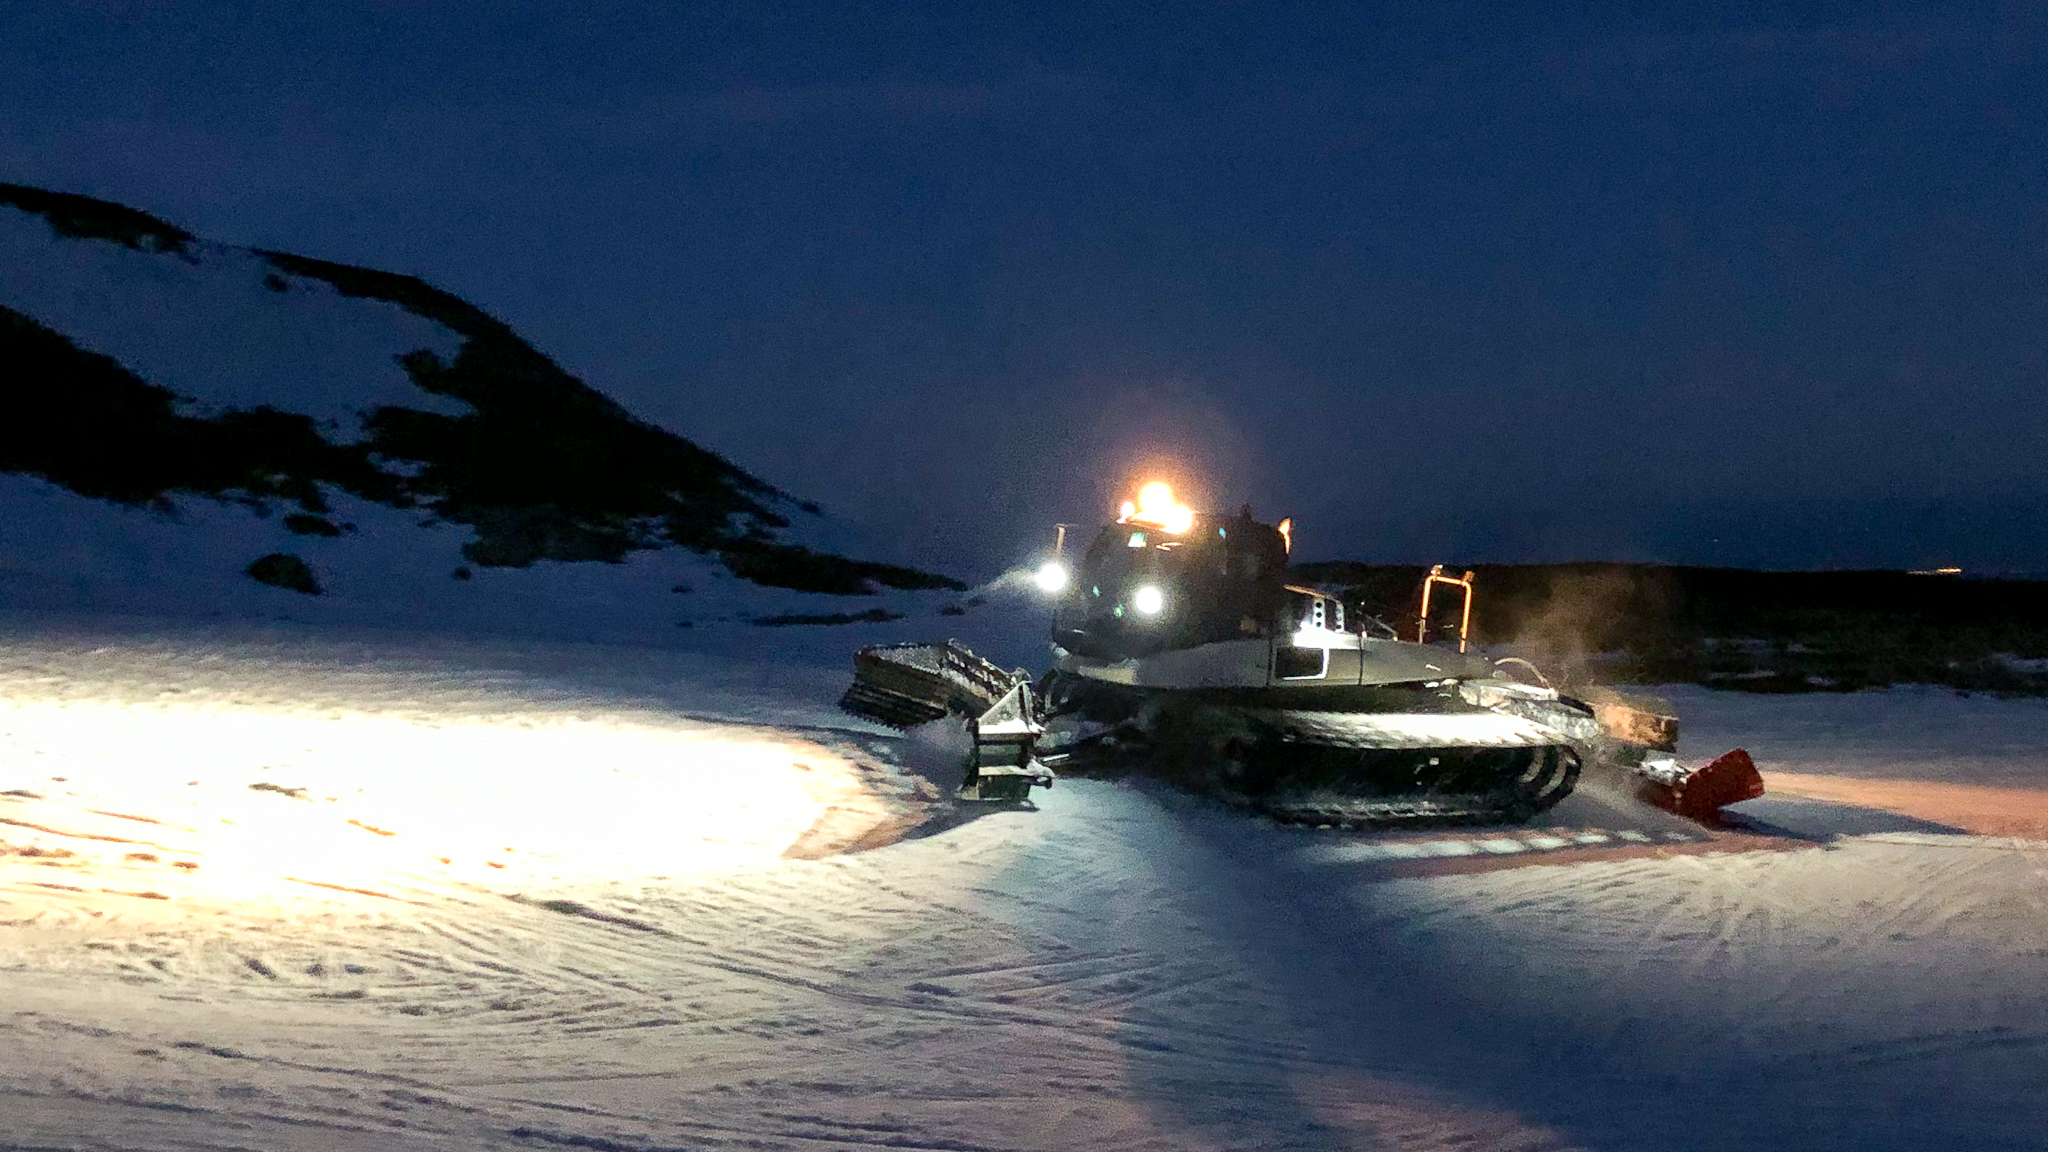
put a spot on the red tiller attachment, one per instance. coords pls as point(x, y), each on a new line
point(1700, 794)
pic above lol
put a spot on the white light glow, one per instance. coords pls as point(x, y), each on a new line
point(1149, 600)
point(1051, 577)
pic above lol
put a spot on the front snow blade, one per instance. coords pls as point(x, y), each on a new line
point(1004, 766)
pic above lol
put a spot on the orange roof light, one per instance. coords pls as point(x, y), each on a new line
point(1287, 534)
point(1156, 506)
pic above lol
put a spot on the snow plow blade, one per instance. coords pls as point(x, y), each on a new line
point(904, 685)
point(1699, 793)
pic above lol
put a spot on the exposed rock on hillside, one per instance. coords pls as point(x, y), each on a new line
point(492, 434)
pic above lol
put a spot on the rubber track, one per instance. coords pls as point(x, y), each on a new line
point(1370, 815)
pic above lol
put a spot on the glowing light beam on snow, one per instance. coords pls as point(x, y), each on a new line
point(273, 801)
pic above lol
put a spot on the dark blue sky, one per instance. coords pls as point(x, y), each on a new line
point(1761, 284)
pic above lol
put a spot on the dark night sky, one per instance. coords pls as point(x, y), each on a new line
point(1761, 285)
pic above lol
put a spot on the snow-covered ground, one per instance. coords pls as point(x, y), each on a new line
point(673, 956)
point(65, 553)
point(1933, 733)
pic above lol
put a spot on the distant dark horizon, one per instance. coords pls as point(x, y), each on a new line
point(1732, 284)
point(1789, 535)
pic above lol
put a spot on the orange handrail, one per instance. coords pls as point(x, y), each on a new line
point(1436, 576)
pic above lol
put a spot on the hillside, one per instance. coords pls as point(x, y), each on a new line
point(1735, 628)
point(184, 413)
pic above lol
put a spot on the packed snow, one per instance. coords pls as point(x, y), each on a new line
point(293, 886)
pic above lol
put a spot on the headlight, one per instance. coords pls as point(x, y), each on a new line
point(1149, 600)
point(1052, 577)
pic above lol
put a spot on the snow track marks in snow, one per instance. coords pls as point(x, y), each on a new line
point(1122, 968)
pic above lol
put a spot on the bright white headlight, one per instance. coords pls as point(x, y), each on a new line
point(1052, 577)
point(1149, 600)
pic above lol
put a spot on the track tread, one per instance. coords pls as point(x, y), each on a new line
point(1358, 815)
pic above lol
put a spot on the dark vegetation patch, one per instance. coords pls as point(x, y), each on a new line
point(871, 616)
point(81, 420)
point(284, 570)
point(84, 218)
point(543, 467)
point(546, 468)
point(301, 524)
point(1735, 628)
point(794, 566)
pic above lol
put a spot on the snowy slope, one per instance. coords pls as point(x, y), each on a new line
point(180, 409)
point(204, 324)
point(65, 553)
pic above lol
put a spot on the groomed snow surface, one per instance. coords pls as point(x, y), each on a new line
point(287, 886)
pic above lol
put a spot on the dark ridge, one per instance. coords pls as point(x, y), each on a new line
point(284, 570)
point(517, 371)
point(1737, 628)
point(794, 566)
point(547, 468)
point(81, 420)
point(300, 524)
point(871, 616)
point(84, 218)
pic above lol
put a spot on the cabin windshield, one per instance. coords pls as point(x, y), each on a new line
point(1220, 580)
